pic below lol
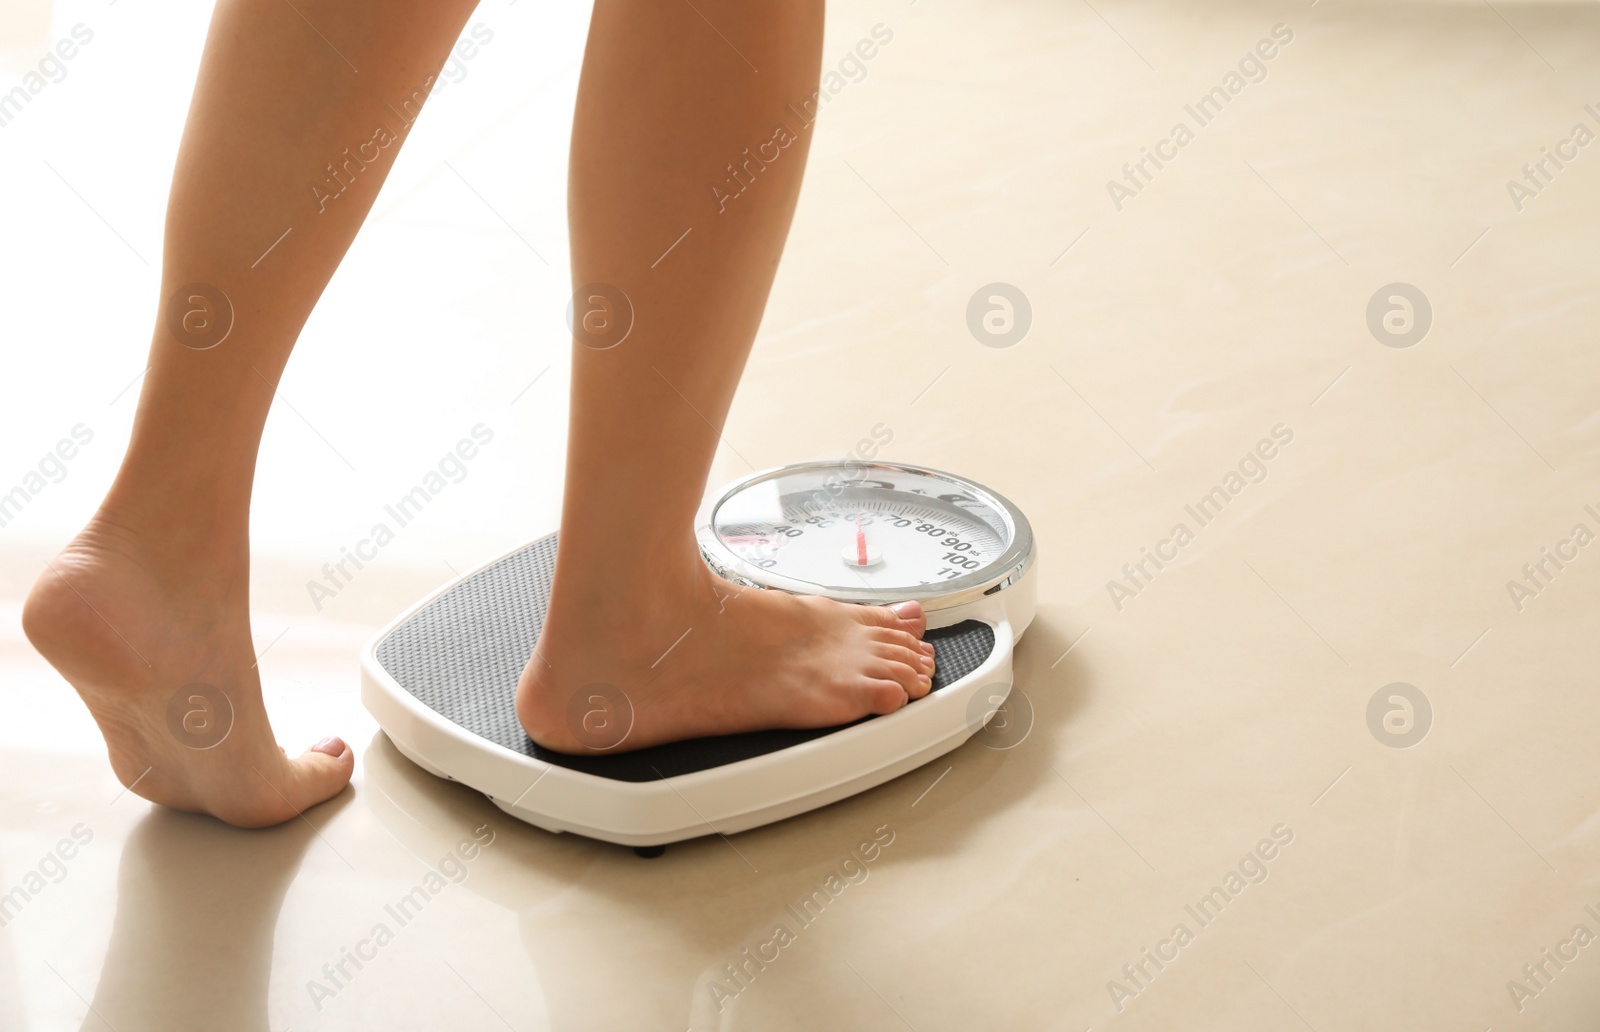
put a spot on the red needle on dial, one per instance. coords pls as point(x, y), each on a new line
point(861, 544)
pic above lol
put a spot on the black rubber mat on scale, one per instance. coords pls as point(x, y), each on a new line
point(462, 654)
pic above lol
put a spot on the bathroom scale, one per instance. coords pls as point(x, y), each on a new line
point(441, 679)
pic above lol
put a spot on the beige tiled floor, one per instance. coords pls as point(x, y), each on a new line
point(1228, 698)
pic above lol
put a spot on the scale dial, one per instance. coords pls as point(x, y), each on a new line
point(866, 532)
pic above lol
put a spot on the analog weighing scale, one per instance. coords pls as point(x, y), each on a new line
point(441, 679)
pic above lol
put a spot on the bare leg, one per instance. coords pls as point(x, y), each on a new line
point(670, 95)
point(153, 596)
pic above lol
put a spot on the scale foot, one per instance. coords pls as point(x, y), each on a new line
point(649, 852)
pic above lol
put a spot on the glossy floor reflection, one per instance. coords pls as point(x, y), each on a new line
point(1322, 758)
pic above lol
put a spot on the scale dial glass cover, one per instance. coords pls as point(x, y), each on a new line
point(865, 532)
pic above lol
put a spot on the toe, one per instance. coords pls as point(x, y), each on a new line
point(910, 678)
point(911, 617)
point(280, 789)
point(916, 659)
point(878, 616)
point(904, 639)
point(320, 773)
point(882, 695)
point(902, 616)
point(923, 658)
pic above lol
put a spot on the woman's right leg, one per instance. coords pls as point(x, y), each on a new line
point(670, 95)
point(152, 598)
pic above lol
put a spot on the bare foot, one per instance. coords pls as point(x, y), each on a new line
point(711, 658)
point(162, 657)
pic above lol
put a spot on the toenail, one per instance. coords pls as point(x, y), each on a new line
point(924, 680)
point(904, 610)
point(331, 746)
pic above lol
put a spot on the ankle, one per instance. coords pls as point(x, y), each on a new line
point(180, 554)
point(634, 589)
point(183, 511)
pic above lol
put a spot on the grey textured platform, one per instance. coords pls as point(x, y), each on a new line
point(461, 656)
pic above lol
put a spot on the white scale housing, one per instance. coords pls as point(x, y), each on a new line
point(441, 679)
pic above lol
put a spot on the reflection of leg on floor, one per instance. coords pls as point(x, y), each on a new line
point(674, 100)
point(150, 601)
point(197, 904)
